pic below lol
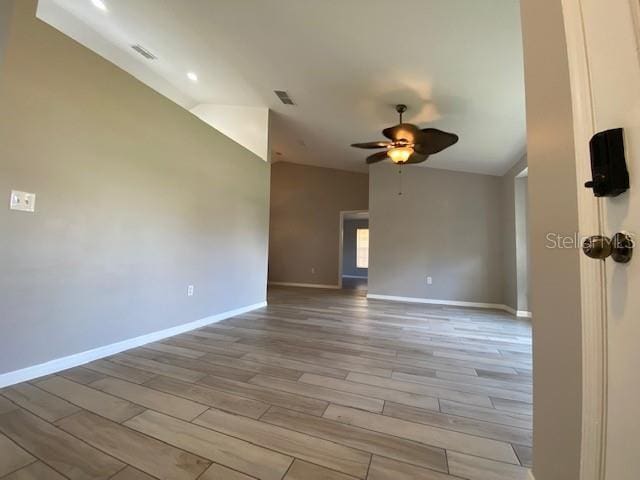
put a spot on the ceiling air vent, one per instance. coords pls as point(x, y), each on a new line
point(284, 97)
point(144, 52)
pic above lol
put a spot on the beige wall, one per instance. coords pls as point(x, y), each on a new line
point(509, 252)
point(136, 199)
point(446, 225)
point(306, 203)
point(522, 241)
point(555, 292)
point(6, 8)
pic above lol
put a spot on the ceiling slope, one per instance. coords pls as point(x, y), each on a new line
point(457, 64)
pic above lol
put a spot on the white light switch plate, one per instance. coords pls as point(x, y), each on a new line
point(22, 201)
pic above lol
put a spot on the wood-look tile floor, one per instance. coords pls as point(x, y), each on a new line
point(319, 385)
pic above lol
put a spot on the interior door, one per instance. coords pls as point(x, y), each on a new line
point(612, 50)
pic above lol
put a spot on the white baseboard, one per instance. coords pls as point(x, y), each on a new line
point(59, 364)
point(530, 475)
point(354, 276)
point(455, 303)
point(304, 285)
point(517, 313)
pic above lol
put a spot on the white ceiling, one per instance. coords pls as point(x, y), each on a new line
point(457, 64)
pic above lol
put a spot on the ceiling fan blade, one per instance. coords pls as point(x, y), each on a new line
point(417, 158)
point(406, 131)
point(377, 157)
point(432, 140)
point(372, 145)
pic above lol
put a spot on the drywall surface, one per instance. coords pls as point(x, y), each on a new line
point(136, 200)
point(509, 238)
point(446, 225)
point(249, 126)
point(522, 241)
point(554, 272)
point(304, 234)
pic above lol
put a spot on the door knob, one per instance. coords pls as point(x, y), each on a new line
point(620, 247)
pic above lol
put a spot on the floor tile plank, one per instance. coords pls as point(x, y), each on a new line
point(220, 472)
point(267, 395)
point(65, 453)
point(140, 451)
point(81, 375)
point(373, 391)
point(312, 449)
point(475, 468)
point(209, 396)
point(157, 367)
point(226, 450)
point(436, 437)
point(35, 471)
point(301, 470)
point(486, 414)
point(122, 372)
point(320, 393)
point(153, 399)
point(387, 469)
point(108, 406)
point(434, 391)
point(360, 438)
point(471, 426)
point(40, 402)
point(12, 457)
point(131, 473)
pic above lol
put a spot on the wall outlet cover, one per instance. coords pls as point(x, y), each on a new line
point(22, 201)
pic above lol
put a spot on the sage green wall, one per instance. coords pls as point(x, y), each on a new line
point(136, 199)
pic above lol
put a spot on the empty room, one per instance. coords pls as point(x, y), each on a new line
point(319, 239)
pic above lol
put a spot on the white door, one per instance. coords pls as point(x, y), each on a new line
point(611, 39)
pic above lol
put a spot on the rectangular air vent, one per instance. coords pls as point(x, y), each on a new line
point(284, 97)
point(144, 52)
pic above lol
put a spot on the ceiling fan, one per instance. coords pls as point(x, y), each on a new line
point(409, 144)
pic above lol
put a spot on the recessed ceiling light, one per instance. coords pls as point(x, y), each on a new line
point(192, 76)
point(99, 4)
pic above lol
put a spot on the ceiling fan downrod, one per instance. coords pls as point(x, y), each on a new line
point(401, 108)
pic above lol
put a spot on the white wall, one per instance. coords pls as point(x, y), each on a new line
point(248, 126)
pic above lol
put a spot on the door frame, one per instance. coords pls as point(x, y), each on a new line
point(343, 214)
point(592, 273)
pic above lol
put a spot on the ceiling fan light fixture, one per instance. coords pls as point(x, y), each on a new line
point(400, 154)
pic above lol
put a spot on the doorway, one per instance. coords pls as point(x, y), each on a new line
point(354, 250)
point(520, 190)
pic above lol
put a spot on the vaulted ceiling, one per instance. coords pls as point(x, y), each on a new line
point(457, 64)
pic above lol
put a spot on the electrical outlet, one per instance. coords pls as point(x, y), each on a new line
point(429, 281)
point(190, 291)
point(313, 270)
point(22, 201)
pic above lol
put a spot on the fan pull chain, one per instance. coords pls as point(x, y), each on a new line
point(400, 180)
